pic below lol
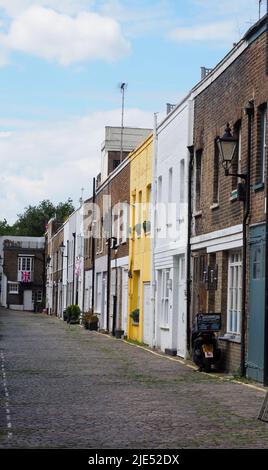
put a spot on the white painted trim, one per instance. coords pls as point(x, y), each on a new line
point(202, 240)
point(119, 262)
point(15, 307)
point(25, 255)
point(219, 241)
point(225, 246)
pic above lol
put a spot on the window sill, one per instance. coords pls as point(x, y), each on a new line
point(214, 206)
point(258, 187)
point(197, 214)
point(231, 338)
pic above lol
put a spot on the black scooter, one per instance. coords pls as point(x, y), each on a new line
point(205, 350)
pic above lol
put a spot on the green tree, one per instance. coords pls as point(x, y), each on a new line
point(5, 228)
point(32, 222)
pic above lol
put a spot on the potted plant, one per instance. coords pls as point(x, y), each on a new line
point(65, 316)
point(135, 316)
point(118, 333)
point(73, 314)
point(90, 321)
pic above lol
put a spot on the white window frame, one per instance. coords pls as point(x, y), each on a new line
point(125, 223)
point(99, 277)
point(182, 181)
point(263, 141)
point(234, 295)
point(164, 300)
point(11, 289)
point(25, 263)
point(99, 237)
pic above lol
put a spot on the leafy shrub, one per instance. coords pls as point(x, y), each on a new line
point(73, 313)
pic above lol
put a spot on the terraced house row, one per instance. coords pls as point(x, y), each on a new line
point(172, 229)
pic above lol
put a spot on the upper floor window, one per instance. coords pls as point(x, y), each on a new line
point(216, 174)
point(198, 177)
point(262, 120)
point(159, 189)
point(25, 263)
point(170, 184)
point(182, 181)
point(236, 163)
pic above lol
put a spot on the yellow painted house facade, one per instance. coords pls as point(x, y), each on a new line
point(139, 287)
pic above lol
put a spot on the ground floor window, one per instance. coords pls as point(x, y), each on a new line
point(165, 279)
point(13, 287)
point(37, 296)
point(234, 292)
point(99, 292)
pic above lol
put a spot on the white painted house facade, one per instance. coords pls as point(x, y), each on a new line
point(169, 247)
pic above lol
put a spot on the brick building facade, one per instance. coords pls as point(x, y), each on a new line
point(22, 280)
point(237, 84)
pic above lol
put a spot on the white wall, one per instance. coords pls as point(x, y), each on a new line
point(174, 134)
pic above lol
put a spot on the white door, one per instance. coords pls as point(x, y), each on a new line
point(147, 315)
point(181, 309)
point(125, 300)
point(104, 302)
point(28, 300)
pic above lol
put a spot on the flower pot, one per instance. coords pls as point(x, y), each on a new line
point(93, 326)
point(118, 333)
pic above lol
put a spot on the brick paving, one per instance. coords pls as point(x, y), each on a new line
point(71, 388)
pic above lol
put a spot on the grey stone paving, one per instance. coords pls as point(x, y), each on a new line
point(70, 388)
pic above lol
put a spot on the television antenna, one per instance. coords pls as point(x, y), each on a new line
point(122, 87)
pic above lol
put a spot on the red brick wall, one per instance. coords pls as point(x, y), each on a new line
point(118, 188)
point(224, 101)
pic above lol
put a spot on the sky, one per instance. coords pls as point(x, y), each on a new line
point(61, 63)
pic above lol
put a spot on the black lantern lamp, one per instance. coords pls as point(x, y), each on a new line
point(227, 146)
point(62, 248)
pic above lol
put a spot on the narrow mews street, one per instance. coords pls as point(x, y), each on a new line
point(65, 387)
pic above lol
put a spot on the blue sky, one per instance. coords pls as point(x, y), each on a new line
point(61, 63)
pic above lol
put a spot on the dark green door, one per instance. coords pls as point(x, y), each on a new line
point(256, 303)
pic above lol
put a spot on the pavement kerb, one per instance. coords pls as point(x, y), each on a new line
point(190, 366)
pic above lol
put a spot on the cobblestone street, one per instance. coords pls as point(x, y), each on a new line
point(62, 386)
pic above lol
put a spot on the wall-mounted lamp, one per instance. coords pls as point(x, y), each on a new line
point(227, 145)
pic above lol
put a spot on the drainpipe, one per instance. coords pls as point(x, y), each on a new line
point(93, 248)
point(108, 283)
point(153, 228)
point(188, 266)
point(249, 110)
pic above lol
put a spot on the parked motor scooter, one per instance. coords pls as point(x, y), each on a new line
point(205, 350)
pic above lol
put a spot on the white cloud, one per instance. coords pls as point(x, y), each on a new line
point(56, 36)
point(220, 31)
point(16, 7)
point(54, 160)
